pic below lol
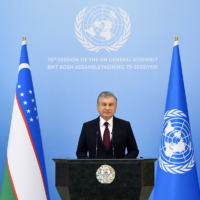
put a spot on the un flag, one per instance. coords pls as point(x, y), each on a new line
point(176, 177)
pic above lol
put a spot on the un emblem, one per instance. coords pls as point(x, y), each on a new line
point(176, 151)
point(105, 174)
point(102, 27)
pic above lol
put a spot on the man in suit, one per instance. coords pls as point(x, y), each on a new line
point(107, 136)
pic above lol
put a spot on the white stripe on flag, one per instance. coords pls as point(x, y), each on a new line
point(175, 43)
point(22, 161)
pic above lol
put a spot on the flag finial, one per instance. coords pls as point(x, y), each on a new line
point(24, 38)
point(176, 38)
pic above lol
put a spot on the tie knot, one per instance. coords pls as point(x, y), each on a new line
point(106, 124)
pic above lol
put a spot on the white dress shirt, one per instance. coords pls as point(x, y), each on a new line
point(103, 127)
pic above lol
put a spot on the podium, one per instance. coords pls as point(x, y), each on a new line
point(76, 179)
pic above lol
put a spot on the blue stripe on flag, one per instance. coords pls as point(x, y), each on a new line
point(24, 55)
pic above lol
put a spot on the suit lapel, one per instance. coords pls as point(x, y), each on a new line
point(97, 128)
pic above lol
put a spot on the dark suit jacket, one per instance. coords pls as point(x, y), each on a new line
point(122, 138)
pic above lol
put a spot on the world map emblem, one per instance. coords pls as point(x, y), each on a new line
point(102, 27)
point(176, 153)
point(105, 174)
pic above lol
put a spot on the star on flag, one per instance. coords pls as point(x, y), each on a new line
point(28, 111)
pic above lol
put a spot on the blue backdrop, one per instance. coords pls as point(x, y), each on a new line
point(66, 91)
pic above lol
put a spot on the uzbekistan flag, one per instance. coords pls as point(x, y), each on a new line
point(24, 175)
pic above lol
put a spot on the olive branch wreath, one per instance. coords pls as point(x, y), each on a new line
point(89, 46)
point(174, 169)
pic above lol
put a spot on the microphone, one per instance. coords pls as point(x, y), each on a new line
point(97, 133)
point(113, 144)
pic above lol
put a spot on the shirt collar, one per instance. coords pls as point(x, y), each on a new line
point(102, 121)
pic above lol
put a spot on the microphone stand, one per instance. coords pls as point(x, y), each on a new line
point(113, 145)
point(97, 133)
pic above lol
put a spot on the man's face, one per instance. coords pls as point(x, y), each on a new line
point(107, 107)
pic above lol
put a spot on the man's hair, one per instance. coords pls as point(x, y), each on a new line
point(106, 94)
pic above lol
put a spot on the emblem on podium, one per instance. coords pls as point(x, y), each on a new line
point(105, 174)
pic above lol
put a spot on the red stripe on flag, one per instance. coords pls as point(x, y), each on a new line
point(11, 179)
point(31, 142)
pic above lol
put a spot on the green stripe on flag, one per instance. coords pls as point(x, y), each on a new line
point(7, 191)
